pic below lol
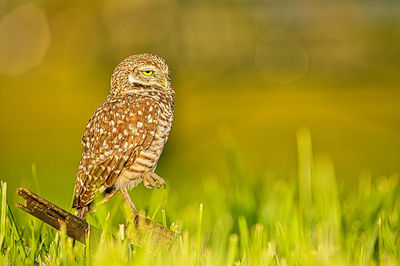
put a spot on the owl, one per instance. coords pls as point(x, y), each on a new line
point(126, 135)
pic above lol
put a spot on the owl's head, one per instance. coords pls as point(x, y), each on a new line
point(140, 73)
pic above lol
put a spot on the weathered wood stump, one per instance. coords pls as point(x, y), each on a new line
point(141, 230)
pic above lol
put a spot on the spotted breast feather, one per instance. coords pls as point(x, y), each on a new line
point(115, 135)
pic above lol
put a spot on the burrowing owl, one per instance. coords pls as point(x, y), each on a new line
point(126, 135)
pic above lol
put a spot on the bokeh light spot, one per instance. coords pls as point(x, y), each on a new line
point(24, 39)
point(281, 57)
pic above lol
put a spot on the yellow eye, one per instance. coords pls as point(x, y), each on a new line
point(148, 73)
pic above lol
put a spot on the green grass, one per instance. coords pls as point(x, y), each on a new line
point(252, 218)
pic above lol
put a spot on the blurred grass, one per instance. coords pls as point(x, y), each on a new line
point(252, 218)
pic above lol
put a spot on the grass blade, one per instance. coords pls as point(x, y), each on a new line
point(244, 236)
point(3, 212)
point(16, 234)
point(199, 227)
point(232, 249)
point(164, 218)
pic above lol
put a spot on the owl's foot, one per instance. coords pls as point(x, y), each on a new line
point(151, 179)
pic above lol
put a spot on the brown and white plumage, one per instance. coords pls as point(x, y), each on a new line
point(125, 137)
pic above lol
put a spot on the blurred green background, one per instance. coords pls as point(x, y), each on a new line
point(250, 71)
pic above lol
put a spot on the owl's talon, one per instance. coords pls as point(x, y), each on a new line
point(151, 180)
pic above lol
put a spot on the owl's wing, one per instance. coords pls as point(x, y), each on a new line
point(114, 137)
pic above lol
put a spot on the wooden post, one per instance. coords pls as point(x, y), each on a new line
point(78, 229)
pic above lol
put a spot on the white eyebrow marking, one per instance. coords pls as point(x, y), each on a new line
point(131, 78)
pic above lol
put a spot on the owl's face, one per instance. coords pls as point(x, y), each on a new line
point(139, 73)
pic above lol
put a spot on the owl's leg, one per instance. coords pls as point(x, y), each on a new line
point(151, 179)
point(82, 211)
point(129, 201)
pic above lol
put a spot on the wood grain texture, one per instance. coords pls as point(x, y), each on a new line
point(76, 228)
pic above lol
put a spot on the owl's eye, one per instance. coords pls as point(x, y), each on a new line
point(148, 73)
